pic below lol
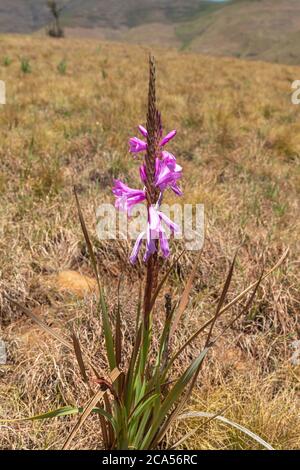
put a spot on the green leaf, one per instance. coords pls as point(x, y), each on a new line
point(139, 410)
point(118, 329)
point(64, 411)
point(109, 342)
point(58, 413)
point(171, 399)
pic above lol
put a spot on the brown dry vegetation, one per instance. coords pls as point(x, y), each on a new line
point(238, 140)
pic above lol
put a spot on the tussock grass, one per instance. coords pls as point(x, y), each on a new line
point(240, 154)
point(266, 405)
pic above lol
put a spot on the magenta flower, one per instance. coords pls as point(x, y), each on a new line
point(136, 248)
point(137, 145)
point(154, 231)
point(167, 172)
point(167, 138)
point(127, 197)
point(143, 173)
point(143, 131)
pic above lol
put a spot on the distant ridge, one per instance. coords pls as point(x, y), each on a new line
point(251, 29)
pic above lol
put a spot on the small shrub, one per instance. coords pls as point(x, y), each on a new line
point(25, 65)
point(62, 67)
point(7, 61)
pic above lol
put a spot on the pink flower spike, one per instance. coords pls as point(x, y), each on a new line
point(167, 138)
point(143, 131)
point(137, 145)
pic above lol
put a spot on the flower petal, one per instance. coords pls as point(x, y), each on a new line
point(167, 138)
point(127, 197)
point(167, 172)
point(136, 248)
point(176, 189)
point(143, 131)
point(154, 221)
point(137, 145)
point(172, 226)
point(150, 244)
point(164, 244)
point(143, 173)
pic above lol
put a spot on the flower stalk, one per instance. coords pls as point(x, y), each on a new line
point(154, 134)
point(158, 172)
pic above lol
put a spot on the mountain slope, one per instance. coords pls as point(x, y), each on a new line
point(245, 28)
point(29, 15)
point(131, 13)
point(252, 29)
point(23, 16)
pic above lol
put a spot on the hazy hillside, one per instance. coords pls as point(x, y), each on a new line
point(131, 13)
point(247, 28)
point(23, 16)
point(29, 15)
point(253, 29)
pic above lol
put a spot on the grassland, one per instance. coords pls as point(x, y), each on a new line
point(69, 114)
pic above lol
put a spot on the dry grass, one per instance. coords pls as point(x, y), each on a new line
point(238, 143)
point(268, 406)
